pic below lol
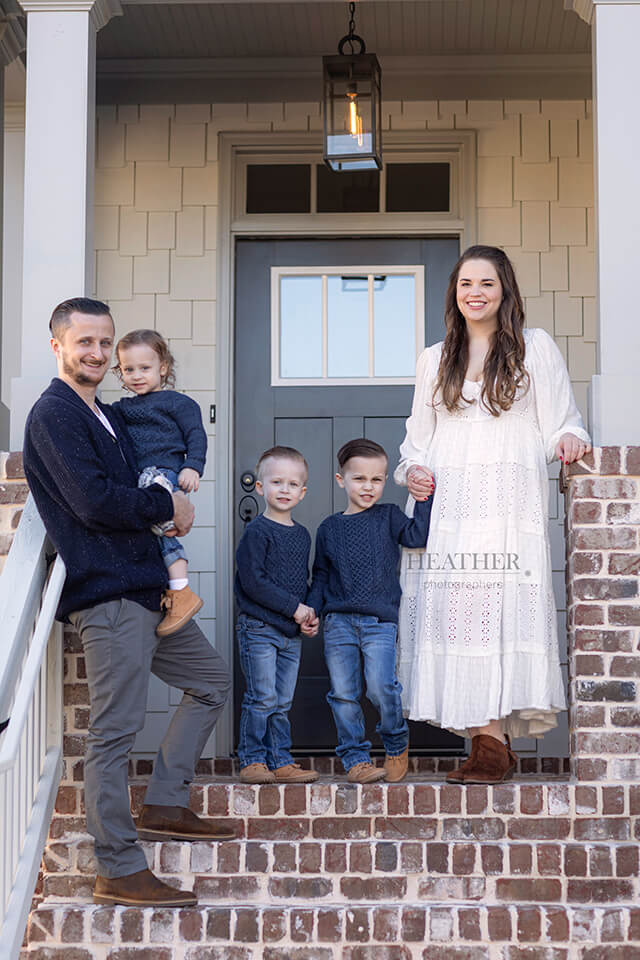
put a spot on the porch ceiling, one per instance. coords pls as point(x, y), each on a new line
point(234, 45)
point(312, 29)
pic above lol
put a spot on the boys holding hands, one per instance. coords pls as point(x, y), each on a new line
point(270, 587)
point(356, 588)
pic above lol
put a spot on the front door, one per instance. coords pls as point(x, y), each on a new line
point(313, 370)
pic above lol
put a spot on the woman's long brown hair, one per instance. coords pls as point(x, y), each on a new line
point(504, 372)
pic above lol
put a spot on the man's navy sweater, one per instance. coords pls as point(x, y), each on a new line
point(356, 564)
point(84, 483)
point(273, 570)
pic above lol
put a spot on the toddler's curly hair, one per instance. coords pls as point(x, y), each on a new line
point(151, 338)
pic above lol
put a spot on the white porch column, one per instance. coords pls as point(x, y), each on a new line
point(616, 82)
point(58, 183)
point(12, 42)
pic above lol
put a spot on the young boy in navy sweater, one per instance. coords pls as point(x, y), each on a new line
point(271, 586)
point(356, 588)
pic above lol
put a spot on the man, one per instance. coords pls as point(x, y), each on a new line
point(81, 471)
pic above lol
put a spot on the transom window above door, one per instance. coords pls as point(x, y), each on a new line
point(402, 187)
point(346, 325)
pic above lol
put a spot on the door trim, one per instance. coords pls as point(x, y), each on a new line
point(231, 148)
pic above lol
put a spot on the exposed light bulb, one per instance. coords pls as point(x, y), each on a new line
point(355, 120)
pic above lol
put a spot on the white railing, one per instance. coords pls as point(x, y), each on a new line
point(31, 702)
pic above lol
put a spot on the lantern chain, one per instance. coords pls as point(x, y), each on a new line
point(351, 39)
point(352, 26)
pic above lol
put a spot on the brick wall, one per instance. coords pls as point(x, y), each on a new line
point(603, 603)
point(13, 493)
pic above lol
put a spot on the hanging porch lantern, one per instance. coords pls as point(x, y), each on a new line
point(352, 105)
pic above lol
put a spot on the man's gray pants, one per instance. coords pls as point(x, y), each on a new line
point(121, 649)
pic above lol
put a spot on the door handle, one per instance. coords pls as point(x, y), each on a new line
point(248, 509)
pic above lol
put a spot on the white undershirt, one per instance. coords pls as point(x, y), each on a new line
point(103, 420)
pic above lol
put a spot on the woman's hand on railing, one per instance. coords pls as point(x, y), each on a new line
point(570, 448)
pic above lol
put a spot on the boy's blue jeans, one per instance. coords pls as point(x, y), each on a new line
point(347, 638)
point(170, 547)
point(270, 662)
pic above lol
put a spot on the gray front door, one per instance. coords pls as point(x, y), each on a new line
point(317, 420)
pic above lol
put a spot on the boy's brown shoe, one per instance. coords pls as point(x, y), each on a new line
point(293, 773)
point(141, 889)
point(180, 606)
point(257, 773)
point(157, 822)
point(365, 772)
point(396, 767)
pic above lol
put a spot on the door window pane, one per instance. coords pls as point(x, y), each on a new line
point(348, 191)
point(394, 326)
point(348, 328)
point(278, 188)
point(418, 187)
point(300, 327)
point(337, 325)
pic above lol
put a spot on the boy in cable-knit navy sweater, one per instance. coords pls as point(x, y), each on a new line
point(271, 586)
point(356, 588)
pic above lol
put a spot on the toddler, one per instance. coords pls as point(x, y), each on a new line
point(171, 447)
point(270, 587)
point(356, 588)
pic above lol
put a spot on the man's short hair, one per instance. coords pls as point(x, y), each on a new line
point(360, 447)
point(61, 316)
point(281, 453)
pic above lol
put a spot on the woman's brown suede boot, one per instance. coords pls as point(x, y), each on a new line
point(458, 776)
point(494, 761)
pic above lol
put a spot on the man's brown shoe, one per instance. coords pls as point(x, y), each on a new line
point(177, 823)
point(396, 767)
point(495, 761)
point(141, 889)
point(257, 773)
point(293, 773)
point(365, 772)
point(180, 606)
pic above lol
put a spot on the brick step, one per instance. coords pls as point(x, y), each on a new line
point(357, 931)
point(392, 870)
point(417, 809)
point(76, 698)
point(418, 795)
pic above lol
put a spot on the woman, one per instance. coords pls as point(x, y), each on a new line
point(492, 405)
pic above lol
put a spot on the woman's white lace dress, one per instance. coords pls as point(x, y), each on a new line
point(477, 632)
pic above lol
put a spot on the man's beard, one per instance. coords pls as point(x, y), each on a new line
point(76, 374)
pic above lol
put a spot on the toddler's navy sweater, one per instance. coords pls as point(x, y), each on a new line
point(356, 564)
point(273, 570)
point(166, 429)
point(84, 483)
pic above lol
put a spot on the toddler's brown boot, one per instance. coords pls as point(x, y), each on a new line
point(396, 767)
point(180, 606)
